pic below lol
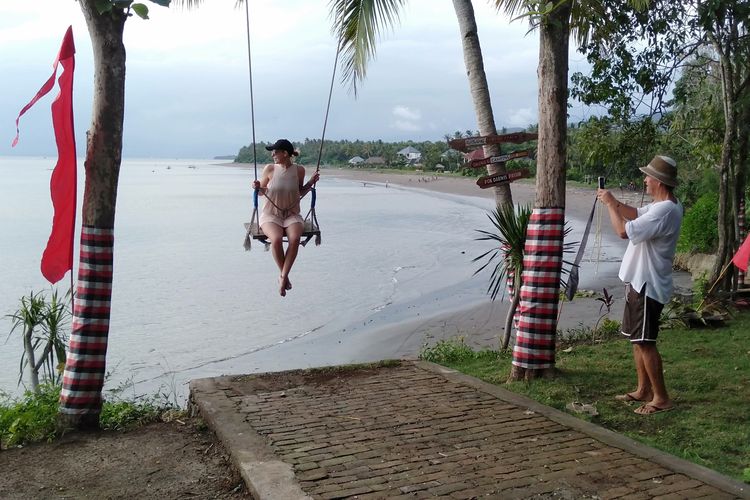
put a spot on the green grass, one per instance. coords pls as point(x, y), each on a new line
point(707, 373)
point(32, 417)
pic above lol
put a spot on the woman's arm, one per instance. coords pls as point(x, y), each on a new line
point(306, 188)
point(265, 178)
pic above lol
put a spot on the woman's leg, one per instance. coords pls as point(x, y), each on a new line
point(293, 235)
point(275, 235)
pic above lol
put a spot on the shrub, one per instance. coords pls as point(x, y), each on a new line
point(32, 418)
point(447, 351)
point(699, 232)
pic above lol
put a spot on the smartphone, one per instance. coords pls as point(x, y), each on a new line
point(601, 182)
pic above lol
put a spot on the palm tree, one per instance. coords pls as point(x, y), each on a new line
point(357, 24)
point(83, 378)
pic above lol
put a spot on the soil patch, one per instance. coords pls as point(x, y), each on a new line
point(178, 459)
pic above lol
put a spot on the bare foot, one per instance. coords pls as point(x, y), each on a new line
point(288, 284)
point(282, 286)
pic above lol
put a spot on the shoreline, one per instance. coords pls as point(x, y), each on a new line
point(479, 323)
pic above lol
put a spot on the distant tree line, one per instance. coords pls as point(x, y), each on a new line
point(436, 155)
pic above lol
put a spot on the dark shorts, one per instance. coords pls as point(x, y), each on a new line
point(640, 321)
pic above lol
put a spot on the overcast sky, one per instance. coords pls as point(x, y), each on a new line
point(187, 87)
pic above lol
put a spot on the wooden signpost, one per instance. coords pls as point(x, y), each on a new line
point(502, 158)
point(494, 180)
point(475, 142)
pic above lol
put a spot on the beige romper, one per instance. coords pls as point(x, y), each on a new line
point(283, 191)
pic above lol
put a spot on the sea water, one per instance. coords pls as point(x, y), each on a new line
point(188, 301)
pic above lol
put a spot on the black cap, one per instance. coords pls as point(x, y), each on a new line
point(283, 145)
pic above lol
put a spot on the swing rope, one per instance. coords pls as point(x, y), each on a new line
point(315, 228)
point(252, 102)
point(328, 107)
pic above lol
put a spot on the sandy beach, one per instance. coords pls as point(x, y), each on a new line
point(481, 325)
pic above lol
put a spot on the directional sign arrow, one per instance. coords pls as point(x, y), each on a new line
point(494, 180)
point(502, 158)
point(474, 142)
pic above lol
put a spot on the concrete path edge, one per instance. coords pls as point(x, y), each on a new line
point(265, 475)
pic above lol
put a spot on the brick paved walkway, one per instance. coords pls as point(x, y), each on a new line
point(416, 430)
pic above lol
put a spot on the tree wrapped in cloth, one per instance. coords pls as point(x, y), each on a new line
point(85, 367)
point(534, 348)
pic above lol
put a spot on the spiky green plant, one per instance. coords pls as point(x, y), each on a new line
point(42, 326)
point(511, 225)
point(28, 317)
point(57, 314)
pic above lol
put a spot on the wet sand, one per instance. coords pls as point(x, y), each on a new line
point(482, 325)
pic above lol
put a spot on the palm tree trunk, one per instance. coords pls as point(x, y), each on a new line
point(534, 349)
point(83, 379)
point(480, 93)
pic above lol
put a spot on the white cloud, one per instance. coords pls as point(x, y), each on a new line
point(406, 113)
point(187, 75)
point(521, 117)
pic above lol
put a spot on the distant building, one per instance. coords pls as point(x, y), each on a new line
point(411, 154)
point(375, 160)
point(356, 160)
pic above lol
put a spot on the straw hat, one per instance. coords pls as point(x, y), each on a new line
point(663, 169)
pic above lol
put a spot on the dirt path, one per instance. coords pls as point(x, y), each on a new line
point(179, 459)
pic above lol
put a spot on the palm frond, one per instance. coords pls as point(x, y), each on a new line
point(514, 7)
point(357, 24)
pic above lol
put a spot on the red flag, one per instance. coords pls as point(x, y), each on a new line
point(58, 256)
point(742, 256)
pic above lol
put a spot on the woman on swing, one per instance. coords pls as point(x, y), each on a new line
point(283, 184)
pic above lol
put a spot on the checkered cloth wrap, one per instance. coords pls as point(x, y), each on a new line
point(85, 365)
point(537, 311)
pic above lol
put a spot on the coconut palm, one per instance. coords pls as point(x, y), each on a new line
point(357, 25)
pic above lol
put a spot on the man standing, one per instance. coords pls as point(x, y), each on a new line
point(646, 269)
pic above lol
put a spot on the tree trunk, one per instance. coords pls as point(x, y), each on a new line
point(28, 346)
point(509, 319)
point(534, 350)
point(727, 214)
point(743, 148)
point(480, 93)
point(83, 379)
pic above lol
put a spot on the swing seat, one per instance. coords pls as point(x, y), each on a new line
point(310, 230)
